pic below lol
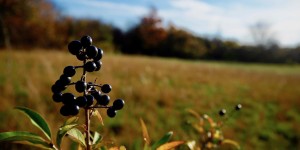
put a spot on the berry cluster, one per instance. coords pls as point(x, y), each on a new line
point(91, 97)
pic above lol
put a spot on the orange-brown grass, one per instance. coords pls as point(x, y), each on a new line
point(159, 90)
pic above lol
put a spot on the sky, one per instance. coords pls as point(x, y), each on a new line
point(227, 19)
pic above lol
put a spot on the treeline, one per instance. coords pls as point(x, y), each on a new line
point(39, 24)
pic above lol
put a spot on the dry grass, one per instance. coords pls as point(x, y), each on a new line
point(159, 90)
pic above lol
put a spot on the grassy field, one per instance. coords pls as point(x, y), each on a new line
point(159, 91)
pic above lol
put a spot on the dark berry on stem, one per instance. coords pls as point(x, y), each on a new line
point(97, 95)
point(74, 47)
point(64, 110)
point(86, 41)
point(111, 112)
point(80, 86)
point(81, 56)
point(57, 97)
point(238, 107)
point(99, 55)
point(81, 101)
point(104, 100)
point(74, 109)
point(98, 65)
point(91, 51)
point(65, 80)
point(69, 71)
point(68, 98)
point(90, 66)
point(222, 112)
point(106, 88)
point(118, 104)
point(90, 100)
point(58, 87)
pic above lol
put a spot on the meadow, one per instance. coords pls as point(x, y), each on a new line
point(160, 90)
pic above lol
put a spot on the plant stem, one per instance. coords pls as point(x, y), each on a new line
point(87, 131)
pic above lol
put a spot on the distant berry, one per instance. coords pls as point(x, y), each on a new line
point(106, 88)
point(118, 104)
point(111, 112)
point(91, 52)
point(68, 98)
point(222, 112)
point(238, 107)
point(80, 86)
point(69, 71)
point(90, 66)
point(90, 100)
point(98, 65)
point(86, 41)
point(57, 97)
point(104, 100)
point(99, 55)
point(74, 47)
point(81, 101)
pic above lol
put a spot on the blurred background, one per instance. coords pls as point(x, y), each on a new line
point(162, 57)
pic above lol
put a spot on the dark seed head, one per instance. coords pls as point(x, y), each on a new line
point(222, 112)
point(238, 107)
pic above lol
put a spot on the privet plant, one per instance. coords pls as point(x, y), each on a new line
point(93, 96)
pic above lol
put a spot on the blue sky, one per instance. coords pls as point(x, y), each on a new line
point(229, 19)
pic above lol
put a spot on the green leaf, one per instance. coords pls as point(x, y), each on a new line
point(62, 132)
point(37, 120)
point(162, 141)
point(76, 136)
point(72, 120)
point(96, 138)
point(27, 138)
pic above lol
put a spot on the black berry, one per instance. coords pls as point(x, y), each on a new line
point(86, 41)
point(90, 66)
point(69, 71)
point(65, 80)
point(91, 52)
point(57, 97)
point(81, 101)
point(81, 56)
point(68, 98)
point(80, 86)
point(74, 47)
point(111, 112)
point(222, 112)
point(118, 104)
point(58, 87)
point(106, 88)
point(99, 55)
point(97, 95)
point(90, 100)
point(104, 100)
point(64, 110)
point(98, 65)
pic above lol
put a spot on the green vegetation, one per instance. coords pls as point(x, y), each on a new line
point(160, 91)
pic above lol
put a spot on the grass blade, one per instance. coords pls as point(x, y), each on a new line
point(27, 138)
point(145, 132)
point(163, 140)
point(37, 120)
point(170, 145)
point(231, 142)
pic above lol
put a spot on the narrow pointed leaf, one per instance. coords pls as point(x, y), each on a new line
point(98, 115)
point(170, 145)
point(36, 120)
point(191, 145)
point(163, 140)
point(145, 132)
point(62, 132)
point(76, 136)
point(27, 138)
